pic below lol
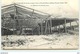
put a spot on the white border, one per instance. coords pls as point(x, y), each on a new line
point(41, 51)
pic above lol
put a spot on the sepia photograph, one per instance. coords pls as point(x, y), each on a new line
point(50, 25)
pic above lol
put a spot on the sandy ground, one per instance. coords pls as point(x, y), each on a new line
point(53, 41)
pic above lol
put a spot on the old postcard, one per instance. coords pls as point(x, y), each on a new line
point(39, 24)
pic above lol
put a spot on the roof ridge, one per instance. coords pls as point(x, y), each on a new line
point(15, 4)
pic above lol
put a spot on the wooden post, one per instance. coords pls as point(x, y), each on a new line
point(50, 26)
point(41, 27)
point(22, 30)
point(70, 25)
point(31, 17)
point(25, 29)
point(14, 26)
point(46, 27)
point(65, 30)
point(32, 31)
point(59, 28)
point(56, 27)
point(15, 12)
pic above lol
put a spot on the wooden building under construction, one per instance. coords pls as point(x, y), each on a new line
point(21, 20)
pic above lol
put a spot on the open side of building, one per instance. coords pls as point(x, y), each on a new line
point(21, 20)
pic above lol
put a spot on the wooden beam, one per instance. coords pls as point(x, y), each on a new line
point(7, 5)
point(32, 9)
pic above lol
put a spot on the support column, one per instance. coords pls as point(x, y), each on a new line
point(32, 31)
point(70, 26)
point(50, 26)
point(14, 26)
point(56, 27)
point(59, 28)
point(46, 27)
point(65, 30)
point(39, 30)
point(15, 13)
point(41, 27)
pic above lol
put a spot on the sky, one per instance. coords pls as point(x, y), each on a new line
point(70, 9)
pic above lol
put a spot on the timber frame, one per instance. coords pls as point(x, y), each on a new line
point(43, 27)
